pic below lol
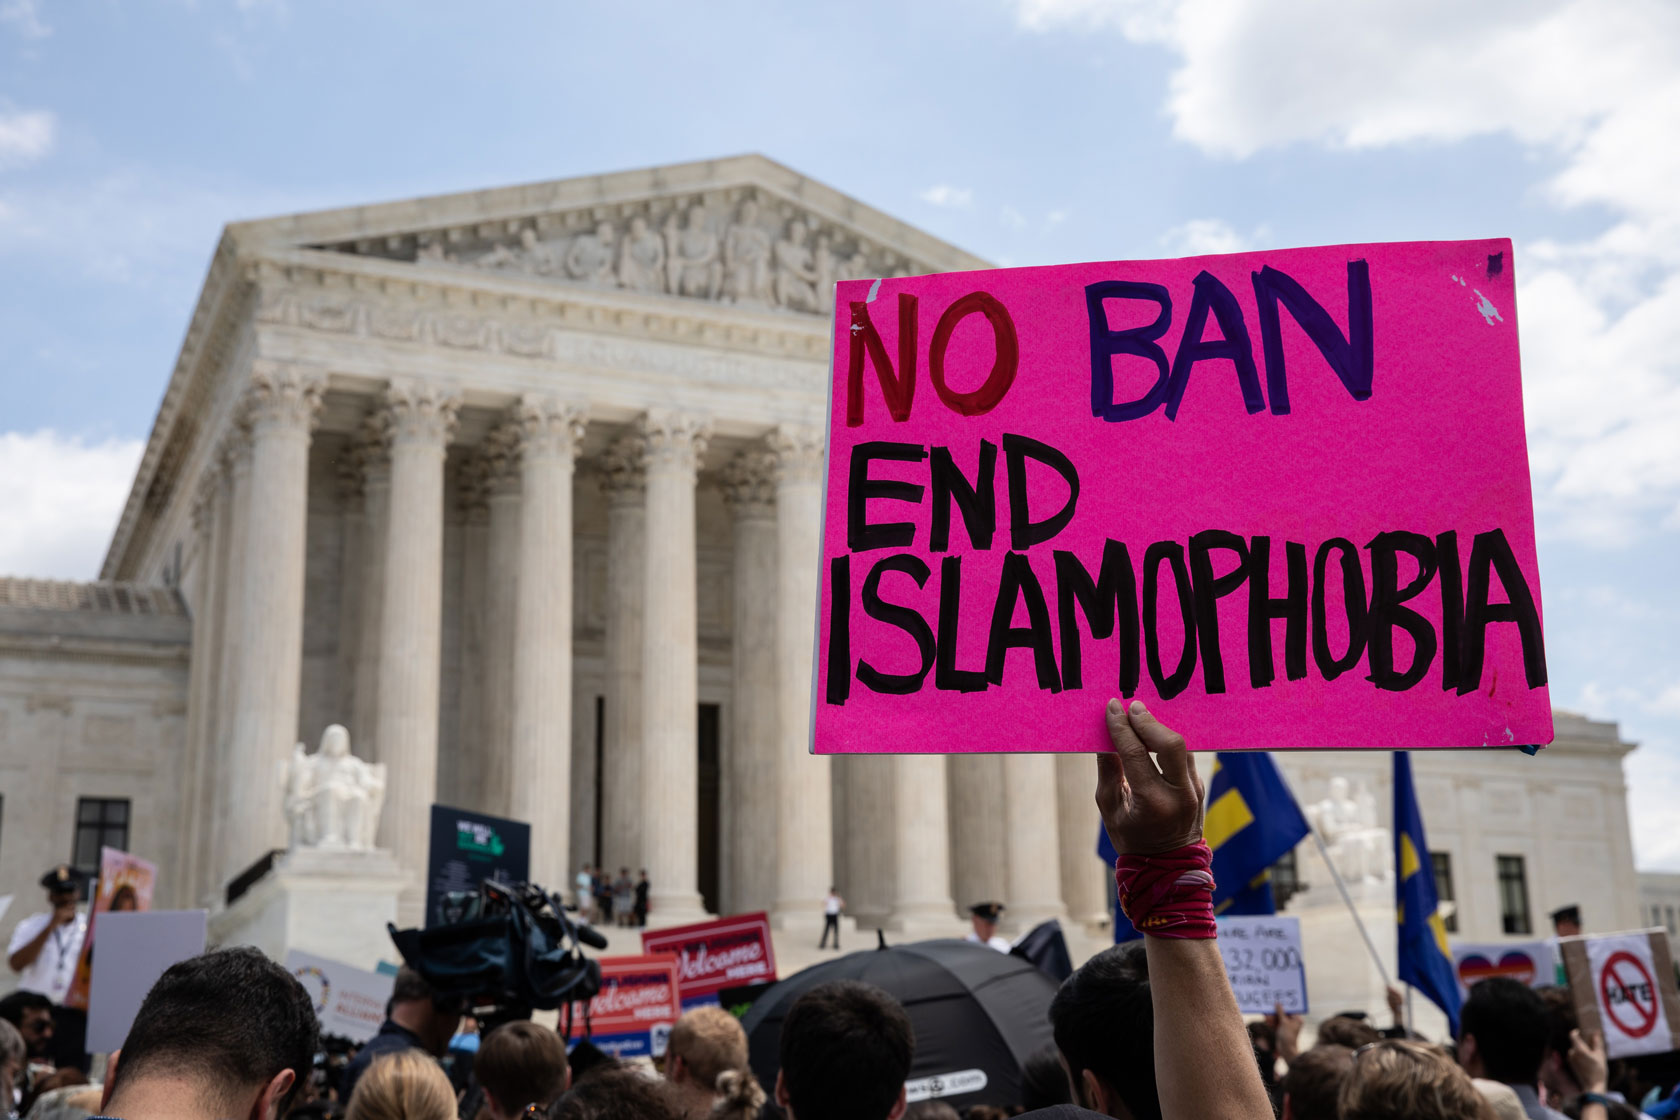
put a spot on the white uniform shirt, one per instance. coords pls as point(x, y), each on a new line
point(55, 967)
point(831, 904)
point(994, 942)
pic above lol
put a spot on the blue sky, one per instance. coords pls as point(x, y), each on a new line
point(1028, 131)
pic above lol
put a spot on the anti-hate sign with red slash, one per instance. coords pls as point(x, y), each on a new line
point(1623, 985)
point(711, 956)
point(1281, 497)
point(632, 1014)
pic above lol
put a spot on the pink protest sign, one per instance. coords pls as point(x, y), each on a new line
point(1281, 497)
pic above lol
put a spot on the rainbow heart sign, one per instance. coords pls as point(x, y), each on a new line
point(1527, 962)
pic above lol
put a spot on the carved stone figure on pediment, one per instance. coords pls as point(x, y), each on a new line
point(826, 264)
point(539, 255)
point(431, 252)
point(691, 256)
point(796, 271)
point(746, 258)
point(858, 267)
point(590, 258)
point(641, 258)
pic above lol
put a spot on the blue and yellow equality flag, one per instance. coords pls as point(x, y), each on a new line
point(1252, 822)
point(1425, 960)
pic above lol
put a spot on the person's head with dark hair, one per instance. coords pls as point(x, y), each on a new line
point(417, 1007)
point(1345, 1030)
point(845, 1053)
point(31, 1014)
point(1043, 1080)
point(1555, 1073)
point(931, 1110)
point(620, 1093)
point(1103, 1018)
point(228, 1033)
point(1314, 1081)
point(1502, 1032)
point(125, 898)
point(520, 1064)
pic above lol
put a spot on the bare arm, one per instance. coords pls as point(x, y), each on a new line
point(1204, 1064)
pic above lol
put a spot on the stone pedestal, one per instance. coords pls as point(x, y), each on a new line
point(331, 903)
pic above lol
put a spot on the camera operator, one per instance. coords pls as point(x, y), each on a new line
point(417, 1018)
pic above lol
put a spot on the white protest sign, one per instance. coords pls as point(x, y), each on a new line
point(349, 1001)
point(1527, 962)
point(1263, 959)
point(1623, 984)
point(135, 948)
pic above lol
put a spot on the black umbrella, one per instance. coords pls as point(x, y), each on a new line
point(978, 1015)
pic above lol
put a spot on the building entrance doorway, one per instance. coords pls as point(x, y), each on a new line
point(706, 837)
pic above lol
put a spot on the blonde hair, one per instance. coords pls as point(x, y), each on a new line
point(739, 1096)
point(1399, 1079)
point(407, 1085)
point(710, 1041)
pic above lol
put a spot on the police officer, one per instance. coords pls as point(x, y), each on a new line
point(984, 917)
point(45, 946)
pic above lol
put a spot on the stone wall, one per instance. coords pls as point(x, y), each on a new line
point(93, 697)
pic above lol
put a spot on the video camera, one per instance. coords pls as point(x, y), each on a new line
point(510, 945)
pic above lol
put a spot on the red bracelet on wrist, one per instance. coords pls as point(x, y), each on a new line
point(1169, 894)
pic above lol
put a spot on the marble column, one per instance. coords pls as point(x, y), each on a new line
point(1084, 876)
point(1033, 841)
point(236, 462)
point(281, 406)
point(422, 418)
point(805, 849)
point(750, 872)
point(624, 482)
point(209, 518)
point(373, 459)
point(461, 773)
point(550, 433)
point(501, 593)
point(921, 848)
point(868, 837)
point(975, 782)
point(673, 443)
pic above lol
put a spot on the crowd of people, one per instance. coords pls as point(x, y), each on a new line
point(621, 901)
point(1147, 1030)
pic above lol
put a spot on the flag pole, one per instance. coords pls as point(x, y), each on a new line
point(1341, 887)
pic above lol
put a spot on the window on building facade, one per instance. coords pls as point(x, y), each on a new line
point(101, 822)
point(1444, 887)
point(1513, 895)
point(1286, 879)
point(1668, 919)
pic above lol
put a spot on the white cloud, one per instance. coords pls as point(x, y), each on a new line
point(64, 495)
point(1593, 86)
point(25, 135)
point(25, 15)
point(1202, 236)
point(957, 198)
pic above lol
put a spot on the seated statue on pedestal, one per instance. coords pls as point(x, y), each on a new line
point(333, 798)
point(1358, 847)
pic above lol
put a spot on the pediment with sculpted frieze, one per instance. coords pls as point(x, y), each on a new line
point(743, 246)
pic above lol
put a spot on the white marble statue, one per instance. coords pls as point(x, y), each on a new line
point(796, 270)
point(333, 798)
point(591, 257)
point(746, 258)
point(1347, 820)
point(691, 256)
point(641, 258)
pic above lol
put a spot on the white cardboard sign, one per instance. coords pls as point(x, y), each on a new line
point(1264, 961)
point(1625, 981)
point(135, 948)
point(349, 1001)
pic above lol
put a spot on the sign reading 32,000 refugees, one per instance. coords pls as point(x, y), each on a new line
point(1282, 497)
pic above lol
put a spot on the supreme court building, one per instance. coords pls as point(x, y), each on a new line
point(523, 487)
